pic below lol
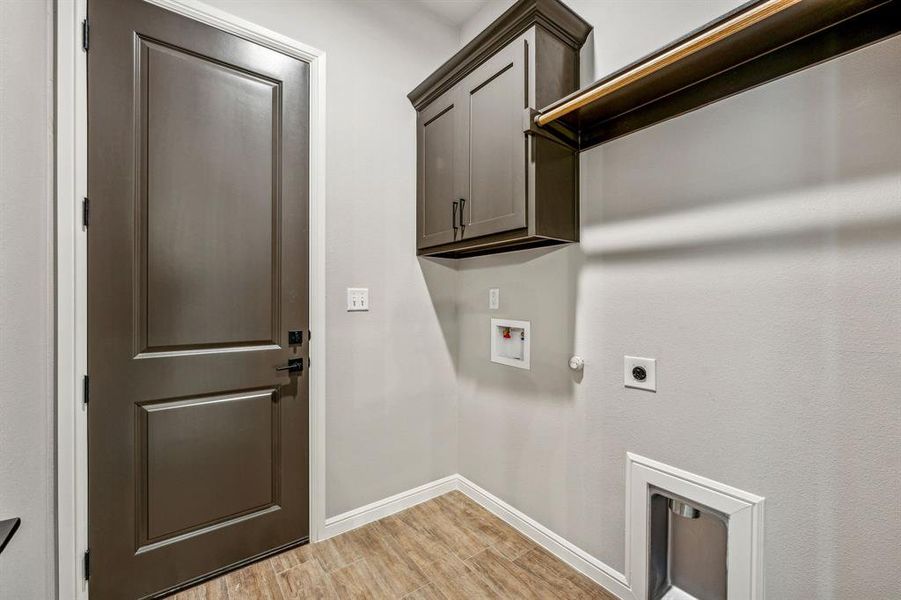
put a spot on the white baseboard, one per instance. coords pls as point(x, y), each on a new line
point(388, 506)
point(599, 572)
point(580, 560)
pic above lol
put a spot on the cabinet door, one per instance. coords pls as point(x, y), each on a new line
point(494, 97)
point(438, 179)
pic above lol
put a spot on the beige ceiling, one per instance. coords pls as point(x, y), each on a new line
point(453, 12)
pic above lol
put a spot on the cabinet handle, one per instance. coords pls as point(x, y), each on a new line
point(454, 218)
point(462, 204)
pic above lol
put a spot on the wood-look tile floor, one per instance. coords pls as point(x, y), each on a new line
point(446, 548)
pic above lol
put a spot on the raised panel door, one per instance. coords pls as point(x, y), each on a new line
point(494, 97)
point(198, 178)
point(438, 176)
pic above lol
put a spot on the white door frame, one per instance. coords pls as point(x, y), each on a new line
point(71, 271)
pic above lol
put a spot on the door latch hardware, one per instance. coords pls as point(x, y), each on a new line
point(295, 365)
point(295, 338)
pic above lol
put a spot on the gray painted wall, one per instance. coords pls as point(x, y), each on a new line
point(754, 248)
point(26, 303)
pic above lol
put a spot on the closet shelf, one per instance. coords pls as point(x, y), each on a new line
point(752, 45)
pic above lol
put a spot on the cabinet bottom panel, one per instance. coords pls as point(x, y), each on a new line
point(492, 244)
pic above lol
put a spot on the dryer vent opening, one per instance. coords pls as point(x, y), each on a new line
point(686, 550)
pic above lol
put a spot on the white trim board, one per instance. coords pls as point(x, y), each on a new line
point(569, 553)
point(745, 525)
point(380, 509)
point(71, 308)
point(580, 560)
point(71, 271)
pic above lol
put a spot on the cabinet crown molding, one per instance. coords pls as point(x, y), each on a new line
point(552, 15)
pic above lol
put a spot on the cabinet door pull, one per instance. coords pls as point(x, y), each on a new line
point(462, 223)
point(454, 218)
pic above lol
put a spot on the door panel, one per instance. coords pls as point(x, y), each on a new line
point(207, 460)
point(211, 251)
point(438, 147)
point(197, 269)
point(496, 166)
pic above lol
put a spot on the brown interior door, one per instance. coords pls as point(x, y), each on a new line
point(197, 272)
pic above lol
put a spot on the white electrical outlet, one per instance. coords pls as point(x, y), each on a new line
point(494, 298)
point(640, 373)
point(357, 299)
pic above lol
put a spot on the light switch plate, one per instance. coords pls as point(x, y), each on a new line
point(494, 298)
point(357, 299)
point(634, 368)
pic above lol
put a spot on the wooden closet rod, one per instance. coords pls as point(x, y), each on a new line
point(734, 25)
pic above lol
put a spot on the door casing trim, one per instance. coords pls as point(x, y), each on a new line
point(71, 272)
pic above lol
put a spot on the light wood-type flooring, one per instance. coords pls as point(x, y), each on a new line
point(446, 548)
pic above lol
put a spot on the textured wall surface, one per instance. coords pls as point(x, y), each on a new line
point(26, 297)
point(391, 386)
point(754, 249)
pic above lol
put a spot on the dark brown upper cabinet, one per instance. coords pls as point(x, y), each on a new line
point(488, 179)
point(438, 178)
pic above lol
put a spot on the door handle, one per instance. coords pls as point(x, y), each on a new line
point(462, 222)
point(295, 365)
point(454, 218)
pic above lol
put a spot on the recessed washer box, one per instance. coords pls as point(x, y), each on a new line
point(510, 341)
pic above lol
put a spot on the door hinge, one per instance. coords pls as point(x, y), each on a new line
point(85, 35)
point(86, 388)
point(85, 213)
point(87, 564)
